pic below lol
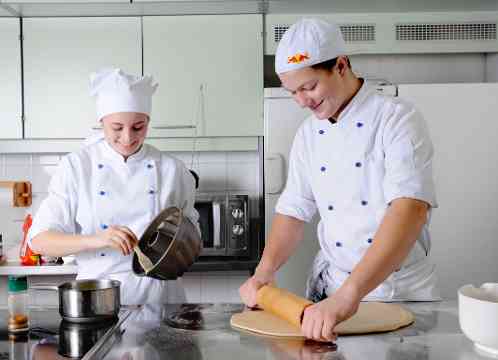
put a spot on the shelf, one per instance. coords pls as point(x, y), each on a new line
point(15, 268)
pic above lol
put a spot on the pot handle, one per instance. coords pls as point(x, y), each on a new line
point(44, 287)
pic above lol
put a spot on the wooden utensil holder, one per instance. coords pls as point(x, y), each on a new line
point(21, 192)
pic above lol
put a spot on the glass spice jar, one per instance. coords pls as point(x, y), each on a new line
point(18, 304)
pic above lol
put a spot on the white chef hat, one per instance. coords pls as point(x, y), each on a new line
point(117, 91)
point(308, 42)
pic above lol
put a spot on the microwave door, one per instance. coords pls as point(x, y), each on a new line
point(216, 224)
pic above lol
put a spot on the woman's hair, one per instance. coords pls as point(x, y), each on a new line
point(328, 64)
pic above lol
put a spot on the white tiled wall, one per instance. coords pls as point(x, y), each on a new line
point(218, 171)
point(212, 287)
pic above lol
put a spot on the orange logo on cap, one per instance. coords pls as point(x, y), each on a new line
point(298, 58)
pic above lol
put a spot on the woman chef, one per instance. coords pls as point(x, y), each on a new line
point(364, 161)
point(103, 197)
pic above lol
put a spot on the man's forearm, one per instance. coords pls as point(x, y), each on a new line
point(399, 230)
point(285, 235)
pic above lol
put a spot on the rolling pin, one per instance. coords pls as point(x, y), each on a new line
point(282, 303)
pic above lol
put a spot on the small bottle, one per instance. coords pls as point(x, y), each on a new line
point(18, 304)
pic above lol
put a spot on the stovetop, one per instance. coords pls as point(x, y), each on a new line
point(50, 337)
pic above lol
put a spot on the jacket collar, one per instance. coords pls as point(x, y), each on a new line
point(114, 156)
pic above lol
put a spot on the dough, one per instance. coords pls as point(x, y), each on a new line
point(376, 317)
point(371, 317)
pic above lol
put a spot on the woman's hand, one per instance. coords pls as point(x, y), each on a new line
point(249, 288)
point(320, 319)
point(117, 237)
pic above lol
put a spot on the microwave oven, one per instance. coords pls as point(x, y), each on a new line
point(224, 224)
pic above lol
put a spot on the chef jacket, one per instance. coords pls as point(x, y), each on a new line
point(350, 171)
point(95, 188)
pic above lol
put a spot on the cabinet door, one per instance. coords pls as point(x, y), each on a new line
point(210, 73)
point(10, 73)
point(59, 55)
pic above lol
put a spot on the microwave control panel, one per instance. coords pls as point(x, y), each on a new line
point(238, 224)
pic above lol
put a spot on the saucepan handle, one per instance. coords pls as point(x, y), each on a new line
point(50, 287)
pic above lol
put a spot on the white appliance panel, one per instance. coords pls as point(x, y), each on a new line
point(463, 121)
point(282, 119)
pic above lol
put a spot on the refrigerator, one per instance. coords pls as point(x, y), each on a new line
point(282, 118)
point(463, 123)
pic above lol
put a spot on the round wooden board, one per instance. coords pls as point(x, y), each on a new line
point(371, 317)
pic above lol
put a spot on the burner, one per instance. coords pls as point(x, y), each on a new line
point(203, 317)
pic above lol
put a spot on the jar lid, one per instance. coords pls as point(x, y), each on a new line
point(18, 283)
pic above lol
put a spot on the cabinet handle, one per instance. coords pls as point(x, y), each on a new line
point(97, 127)
point(175, 127)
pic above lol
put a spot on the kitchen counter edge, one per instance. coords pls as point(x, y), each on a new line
point(15, 268)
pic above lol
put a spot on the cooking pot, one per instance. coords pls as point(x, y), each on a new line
point(75, 340)
point(171, 242)
point(86, 301)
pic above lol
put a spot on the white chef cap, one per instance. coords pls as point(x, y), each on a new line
point(308, 42)
point(117, 91)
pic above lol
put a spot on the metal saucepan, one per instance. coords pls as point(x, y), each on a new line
point(86, 301)
point(171, 243)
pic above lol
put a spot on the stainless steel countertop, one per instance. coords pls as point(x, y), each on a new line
point(435, 335)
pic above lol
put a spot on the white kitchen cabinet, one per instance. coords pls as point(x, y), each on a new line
point(59, 55)
point(10, 73)
point(210, 74)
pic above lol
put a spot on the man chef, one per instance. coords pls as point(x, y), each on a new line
point(364, 161)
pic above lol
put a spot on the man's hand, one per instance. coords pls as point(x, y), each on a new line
point(320, 319)
point(117, 237)
point(249, 289)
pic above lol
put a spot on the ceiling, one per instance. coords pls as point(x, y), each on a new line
point(166, 7)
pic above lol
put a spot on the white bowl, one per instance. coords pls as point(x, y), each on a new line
point(478, 315)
